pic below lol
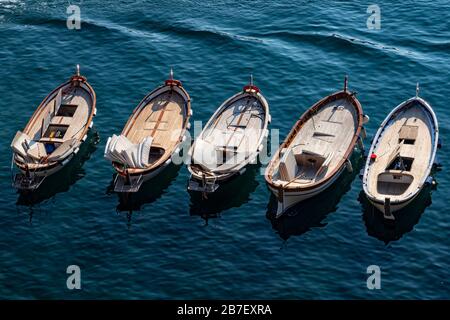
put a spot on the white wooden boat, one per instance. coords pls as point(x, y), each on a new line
point(54, 133)
point(401, 156)
point(317, 150)
point(153, 133)
point(232, 138)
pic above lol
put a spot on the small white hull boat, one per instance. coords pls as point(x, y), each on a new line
point(54, 133)
point(317, 150)
point(401, 156)
point(232, 139)
point(152, 135)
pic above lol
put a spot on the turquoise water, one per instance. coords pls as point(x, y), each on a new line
point(163, 243)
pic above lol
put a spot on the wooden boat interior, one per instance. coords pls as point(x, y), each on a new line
point(57, 127)
point(319, 145)
point(163, 117)
point(402, 154)
point(232, 135)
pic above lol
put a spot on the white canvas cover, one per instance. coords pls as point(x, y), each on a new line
point(205, 154)
point(20, 143)
point(120, 149)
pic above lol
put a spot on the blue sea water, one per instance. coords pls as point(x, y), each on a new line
point(165, 243)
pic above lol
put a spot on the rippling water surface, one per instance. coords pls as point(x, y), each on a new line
point(164, 243)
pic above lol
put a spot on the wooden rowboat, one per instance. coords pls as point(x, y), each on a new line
point(401, 156)
point(232, 138)
point(153, 133)
point(317, 150)
point(54, 133)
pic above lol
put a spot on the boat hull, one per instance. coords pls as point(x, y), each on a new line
point(31, 174)
point(397, 203)
point(196, 183)
point(130, 179)
point(285, 186)
point(207, 180)
point(393, 207)
point(50, 170)
point(291, 198)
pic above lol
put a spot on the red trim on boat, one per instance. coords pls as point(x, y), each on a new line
point(250, 88)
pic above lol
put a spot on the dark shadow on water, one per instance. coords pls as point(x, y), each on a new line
point(231, 194)
point(405, 219)
point(149, 192)
point(62, 180)
point(311, 212)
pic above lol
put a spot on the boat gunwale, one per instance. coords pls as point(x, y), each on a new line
point(268, 175)
point(135, 114)
point(427, 107)
point(230, 172)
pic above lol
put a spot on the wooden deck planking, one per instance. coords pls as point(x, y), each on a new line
point(161, 118)
point(336, 127)
point(238, 125)
point(76, 123)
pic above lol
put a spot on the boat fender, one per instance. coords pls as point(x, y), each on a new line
point(188, 126)
point(365, 118)
point(168, 162)
point(84, 138)
point(437, 166)
point(434, 184)
point(191, 113)
point(269, 118)
point(90, 126)
point(439, 144)
point(349, 166)
point(95, 112)
point(183, 138)
point(241, 172)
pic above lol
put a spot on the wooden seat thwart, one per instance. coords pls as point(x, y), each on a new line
point(408, 132)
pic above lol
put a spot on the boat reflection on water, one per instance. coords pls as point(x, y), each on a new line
point(62, 180)
point(311, 212)
point(231, 194)
point(405, 219)
point(149, 191)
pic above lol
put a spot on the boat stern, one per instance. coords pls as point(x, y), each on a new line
point(207, 185)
